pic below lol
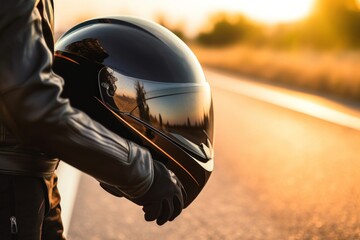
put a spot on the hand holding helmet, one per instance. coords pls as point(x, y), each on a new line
point(164, 200)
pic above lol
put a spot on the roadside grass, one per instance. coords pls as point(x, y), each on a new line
point(335, 73)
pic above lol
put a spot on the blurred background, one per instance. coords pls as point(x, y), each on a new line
point(289, 42)
point(285, 77)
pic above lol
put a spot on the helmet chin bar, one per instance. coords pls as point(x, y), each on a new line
point(181, 170)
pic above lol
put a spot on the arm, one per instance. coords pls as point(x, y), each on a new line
point(32, 108)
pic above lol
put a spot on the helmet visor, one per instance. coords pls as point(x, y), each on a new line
point(180, 111)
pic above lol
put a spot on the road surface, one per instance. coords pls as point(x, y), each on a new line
point(279, 174)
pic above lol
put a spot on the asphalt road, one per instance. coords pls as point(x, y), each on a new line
point(279, 174)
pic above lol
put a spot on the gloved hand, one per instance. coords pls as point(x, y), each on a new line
point(164, 200)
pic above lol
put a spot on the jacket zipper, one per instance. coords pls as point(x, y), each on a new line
point(13, 224)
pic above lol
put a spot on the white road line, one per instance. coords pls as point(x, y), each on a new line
point(68, 182)
point(286, 99)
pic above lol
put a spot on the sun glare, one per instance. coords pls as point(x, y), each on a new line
point(192, 13)
point(271, 11)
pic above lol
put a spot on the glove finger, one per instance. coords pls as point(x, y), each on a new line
point(167, 210)
point(152, 211)
point(177, 209)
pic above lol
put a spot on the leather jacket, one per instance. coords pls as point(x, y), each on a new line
point(36, 121)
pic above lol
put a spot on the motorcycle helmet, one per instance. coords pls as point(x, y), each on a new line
point(142, 82)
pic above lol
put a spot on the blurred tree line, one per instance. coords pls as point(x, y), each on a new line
point(331, 24)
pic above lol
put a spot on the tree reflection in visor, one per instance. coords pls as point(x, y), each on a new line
point(181, 111)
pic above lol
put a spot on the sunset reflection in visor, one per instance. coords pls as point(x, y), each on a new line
point(181, 111)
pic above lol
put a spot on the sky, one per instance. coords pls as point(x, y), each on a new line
point(190, 14)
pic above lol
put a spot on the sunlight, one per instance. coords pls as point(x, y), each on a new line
point(273, 11)
point(192, 13)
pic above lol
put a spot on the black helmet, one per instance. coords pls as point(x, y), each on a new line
point(142, 82)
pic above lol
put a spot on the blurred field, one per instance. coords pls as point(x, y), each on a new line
point(333, 73)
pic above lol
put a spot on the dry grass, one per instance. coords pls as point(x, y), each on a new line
point(334, 73)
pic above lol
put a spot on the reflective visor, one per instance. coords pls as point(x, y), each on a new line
point(180, 111)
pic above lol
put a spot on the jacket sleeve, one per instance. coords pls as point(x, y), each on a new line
point(32, 108)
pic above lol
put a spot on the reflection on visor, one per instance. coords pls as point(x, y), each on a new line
point(181, 111)
point(124, 93)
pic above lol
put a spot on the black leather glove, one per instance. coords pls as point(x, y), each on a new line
point(164, 200)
